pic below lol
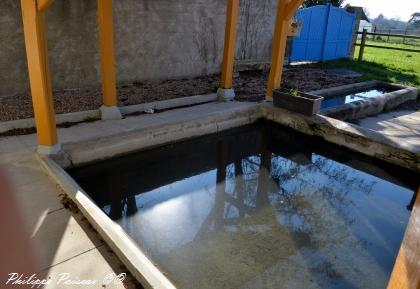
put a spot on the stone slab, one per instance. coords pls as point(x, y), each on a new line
point(98, 264)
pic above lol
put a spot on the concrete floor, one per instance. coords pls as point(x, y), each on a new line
point(63, 241)
point(399, 126)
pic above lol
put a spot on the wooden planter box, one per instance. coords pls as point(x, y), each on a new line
point(307, 104)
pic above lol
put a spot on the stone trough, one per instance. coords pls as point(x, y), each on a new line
point(393, 96)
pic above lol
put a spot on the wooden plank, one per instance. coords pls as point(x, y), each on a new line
point(406, 273)
point(389, 47)
point(391, 35)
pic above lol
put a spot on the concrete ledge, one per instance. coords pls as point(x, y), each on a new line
point(225, 94)
point(110, 112)
point(72, 117)
point(49, 150)
point(89, 115)
point(177, 127)
point(365, 141)
point(345, 89)
point(123, 246)
point(167, 104)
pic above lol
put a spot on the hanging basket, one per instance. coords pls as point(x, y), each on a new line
point(295, 28)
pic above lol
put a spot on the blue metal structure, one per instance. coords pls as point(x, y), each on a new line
point(326, 34)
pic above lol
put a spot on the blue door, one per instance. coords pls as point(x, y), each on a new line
point(338, 34)
point(326, 34)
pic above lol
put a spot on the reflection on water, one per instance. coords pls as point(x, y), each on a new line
point(257, 207)
point(343, 99)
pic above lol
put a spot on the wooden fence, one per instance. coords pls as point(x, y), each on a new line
point(363, 44)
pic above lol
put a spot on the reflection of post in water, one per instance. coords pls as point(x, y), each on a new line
point(240, 187)
point(114, 191)
point(222, 162)
point(264, 175)
point(130, 201)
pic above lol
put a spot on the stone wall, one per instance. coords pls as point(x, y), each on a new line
point(155, 39)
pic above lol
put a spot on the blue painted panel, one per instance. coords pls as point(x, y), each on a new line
point(326, 34)
point(338, 34)
point(309, 44)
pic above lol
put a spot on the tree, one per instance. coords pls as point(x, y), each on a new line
point(415, 19)
point(310, 3)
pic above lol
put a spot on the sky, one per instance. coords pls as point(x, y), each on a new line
point(401, 9)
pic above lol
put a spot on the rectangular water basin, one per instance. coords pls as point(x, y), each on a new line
point(352, 97)
point(355, 101)
point(261, 206)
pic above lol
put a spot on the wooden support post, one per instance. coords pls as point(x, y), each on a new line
point(362, 45)
point(39, 76)
point(406, 272)
point(278, 48)
point(230, 43)
point(106, 43)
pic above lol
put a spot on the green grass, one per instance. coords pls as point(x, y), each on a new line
point(384, 64)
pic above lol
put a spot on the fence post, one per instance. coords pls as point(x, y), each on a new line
point(362, 44)
point(389, 33)
point(405, 33)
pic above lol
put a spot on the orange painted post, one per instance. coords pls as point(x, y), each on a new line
point(406, 272)
point(229, 49)
point(285, 11)
point(39, 76)
point(107, 58)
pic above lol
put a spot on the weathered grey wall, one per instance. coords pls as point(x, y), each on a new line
point(154, 39)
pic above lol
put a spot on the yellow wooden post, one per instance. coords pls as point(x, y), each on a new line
point(106, 43)
point(39, 75)
point(229, 46)
point(285, 11)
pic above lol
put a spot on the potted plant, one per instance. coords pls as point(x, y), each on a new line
point(292, 99)
point(295, 27)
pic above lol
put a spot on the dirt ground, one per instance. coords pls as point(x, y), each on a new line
point(249, 86)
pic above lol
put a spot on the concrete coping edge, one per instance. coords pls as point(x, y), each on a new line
point(124, 247)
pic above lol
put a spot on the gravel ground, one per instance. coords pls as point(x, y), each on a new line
point(250, 86)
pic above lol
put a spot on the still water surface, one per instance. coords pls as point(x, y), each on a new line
point(362, 95)
point(258, 207)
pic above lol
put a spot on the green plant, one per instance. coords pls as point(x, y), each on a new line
point(294, 92)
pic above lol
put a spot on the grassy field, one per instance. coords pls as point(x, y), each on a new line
point(384, 64)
